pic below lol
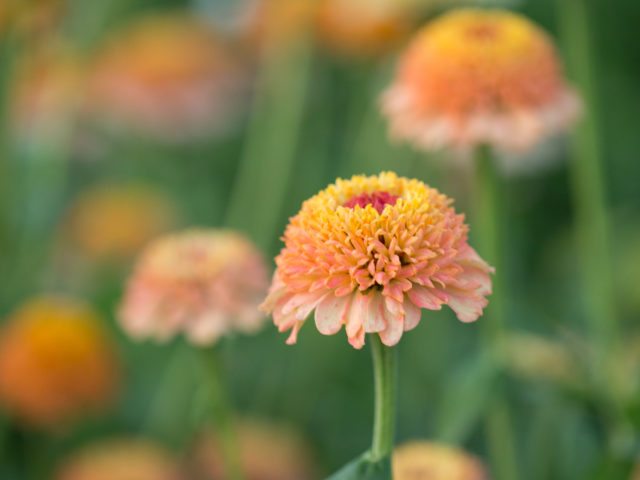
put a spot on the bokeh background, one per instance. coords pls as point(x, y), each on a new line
point(121, 120)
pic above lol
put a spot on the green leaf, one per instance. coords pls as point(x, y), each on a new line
point(364, 469)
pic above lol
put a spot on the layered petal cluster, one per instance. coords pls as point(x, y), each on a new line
point(113, 221)
point(420, 460)
point(121, 459)
point(169, 76)
point(203, 283)
point(267, 452)
point(368, 254)
point(56, 363)
point(479, 77)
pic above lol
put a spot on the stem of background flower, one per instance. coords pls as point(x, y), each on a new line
point(489, 218)
point(592, 227)
point(384, 372)
point(267, 163)
point(592, 223)
point(222, 416)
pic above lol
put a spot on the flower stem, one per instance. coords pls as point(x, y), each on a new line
point(489, 218)
point(384, 371)
point(222, 416)
point(592, 223)
point(267, 163)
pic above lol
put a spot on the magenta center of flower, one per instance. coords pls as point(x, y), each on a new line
point(377, 200)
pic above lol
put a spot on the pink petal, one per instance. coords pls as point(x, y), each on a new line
point(412, 315)
point(425, 298)
point(331, 313)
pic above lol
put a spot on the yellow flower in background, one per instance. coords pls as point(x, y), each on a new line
point(46, 91)
point(168, 76)
point(267, 452)
point(420, 460)
point(56, 363)
point(271, 25)
point(122, 459)
point(368, 254)
point(204, 283)
point(114, 221)
point(477, 77)
point(363, 27)
point(31, 16)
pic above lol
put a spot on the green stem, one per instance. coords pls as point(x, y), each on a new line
point(384, 371)
point(489, 219)
point(272, 140)
point(222, 416)
point(589, 196)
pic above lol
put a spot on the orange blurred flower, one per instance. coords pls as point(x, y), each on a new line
point(56, 363)
point(479, 77)
point(46, 92)
point(369, 253)
point(203, 283)
point(112, 222)
point(121, 460)
point(432, 461)
point(267, 452)
point(168, 76)
point(30, 16)
point(363, 27)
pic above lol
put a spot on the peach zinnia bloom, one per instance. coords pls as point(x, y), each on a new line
point(434, 461)
point(121, 460)
point(56, 363)
point(168, 76)
point(267, 452)
point(369, 253)
point(203, 283)
point(479, 77)
point(363, 27)
point(112, 221)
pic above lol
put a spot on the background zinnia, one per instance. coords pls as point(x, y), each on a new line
point(421, 460)
point(57, 365)
point(203, 283)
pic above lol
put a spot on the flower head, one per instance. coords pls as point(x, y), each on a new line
point(479, 77)
point(369, 253)
point(203, 283)
point(267, 452)
point(167, 76)
point(363, 27)
point(56, 363)
point(114, 221)
point(121, 460)
point(433, 461)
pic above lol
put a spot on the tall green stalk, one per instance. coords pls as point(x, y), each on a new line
point(384, 371)
point(488, 227)
point(588, 186)
point(267, 163)
point(222, 416)
point(592, 224)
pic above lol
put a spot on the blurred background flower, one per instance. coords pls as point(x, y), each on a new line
point(57, 365)
point(421, 460)
point(121, 459)
point(168, 76)
point(268, 452)
point(203, 283)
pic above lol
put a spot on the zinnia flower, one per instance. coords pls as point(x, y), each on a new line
point(479, 77)
point(121, 460)
point(369, 253)
point(170, 77)
point(203, 283)
point(112, 221)
point(363, 27)
point(434, 461)
point(267, 452)
point(56, 363)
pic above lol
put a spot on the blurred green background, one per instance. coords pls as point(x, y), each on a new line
point(305, 114)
